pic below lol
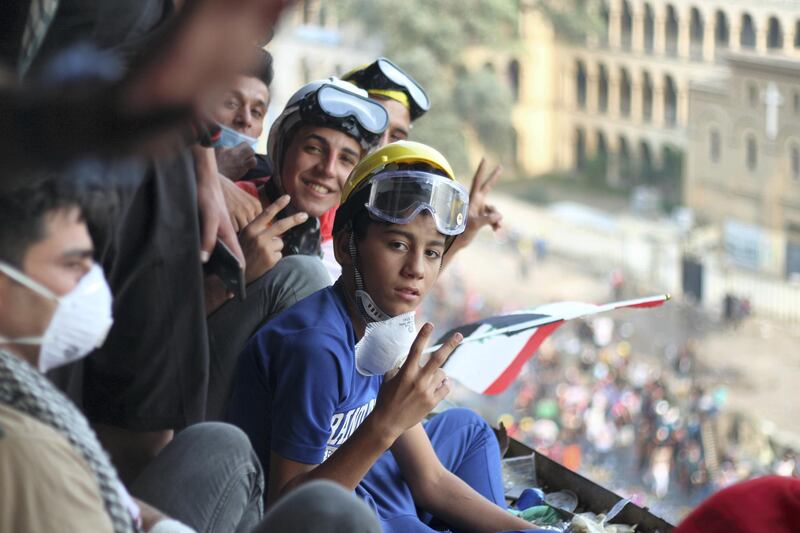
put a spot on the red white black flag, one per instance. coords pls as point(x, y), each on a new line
point(495, 349)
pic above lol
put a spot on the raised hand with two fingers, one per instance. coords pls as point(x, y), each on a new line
point(261, 239)
point(407, 397)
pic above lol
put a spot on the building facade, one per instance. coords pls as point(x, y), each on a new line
point(622, 96)
point(743, 166)
point(312, 43)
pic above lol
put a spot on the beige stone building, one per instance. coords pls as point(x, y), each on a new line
point(743, 165)
point(311, 43)
point(625, 93)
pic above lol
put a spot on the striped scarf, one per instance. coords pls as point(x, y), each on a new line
point(40, 15)
point(24, 389)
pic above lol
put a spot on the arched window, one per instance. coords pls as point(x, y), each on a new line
point(646, 160)
point(714, 146)
point(671, 30)
point(797, 34)
point(602, 145)
point(670, 101)
point(601, 153)
point(602, 89)
point(513, 78)
point(649, 28)
point(775, 34)
point(794, 161)
point(647, 97)
point(722, 34)
point(624, 93)
point(580, 84)
point(580, 149)
point(752, 153)
point(747, 37)
point(624, 157)
point(626, 25)
point(696, 32)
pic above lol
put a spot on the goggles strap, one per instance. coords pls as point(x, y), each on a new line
point(367, 308)
point(399, 96)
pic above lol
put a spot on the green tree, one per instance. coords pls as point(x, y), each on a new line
point(428, 39)
point(573, 20)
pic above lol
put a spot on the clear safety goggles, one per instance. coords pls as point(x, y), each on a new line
point(341, 105)
point(398, 197)
point(393, 73)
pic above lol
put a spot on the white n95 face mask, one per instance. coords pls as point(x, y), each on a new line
point(79, 324)
point(385, 345)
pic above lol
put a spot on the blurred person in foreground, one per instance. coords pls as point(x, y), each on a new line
point(179, 54)
point(55, 307)
point(160, 216)
point(768, 504)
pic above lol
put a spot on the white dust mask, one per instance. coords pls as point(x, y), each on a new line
point(79, 324)
point(385, 344)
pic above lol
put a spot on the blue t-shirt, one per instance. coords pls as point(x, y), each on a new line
point(297, 391)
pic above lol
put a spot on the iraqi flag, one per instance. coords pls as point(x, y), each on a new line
point(495, 349)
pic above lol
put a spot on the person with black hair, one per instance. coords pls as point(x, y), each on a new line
point(240, 113)
point(55, 307)
point(325, 129)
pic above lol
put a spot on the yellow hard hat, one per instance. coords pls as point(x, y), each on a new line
point(391, 168)
point(407, 152)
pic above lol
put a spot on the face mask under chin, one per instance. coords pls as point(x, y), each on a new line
point(385, 344)
point(230, 138)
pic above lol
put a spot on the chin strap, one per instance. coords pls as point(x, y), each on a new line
point(367, 308)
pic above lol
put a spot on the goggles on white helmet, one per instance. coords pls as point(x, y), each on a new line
point(330, 105)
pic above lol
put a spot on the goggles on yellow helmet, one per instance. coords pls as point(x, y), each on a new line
point(399, 196)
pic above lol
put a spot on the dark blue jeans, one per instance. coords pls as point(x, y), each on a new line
point(465, 445)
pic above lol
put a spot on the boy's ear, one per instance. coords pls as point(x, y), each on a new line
point(341, 245)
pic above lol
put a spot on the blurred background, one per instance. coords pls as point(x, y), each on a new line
point(649, 147)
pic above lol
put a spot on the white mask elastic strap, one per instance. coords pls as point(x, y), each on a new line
point(26, 281)
point(32, 341)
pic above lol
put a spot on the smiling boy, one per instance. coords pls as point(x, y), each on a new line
point(324, 130)
point(310, 390)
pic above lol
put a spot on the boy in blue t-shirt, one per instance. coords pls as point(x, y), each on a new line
point(311, 391)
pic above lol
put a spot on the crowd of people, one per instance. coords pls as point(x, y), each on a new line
point(598, 400)
point(198, 337)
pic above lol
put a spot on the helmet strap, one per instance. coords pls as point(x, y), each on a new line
point(367, 308)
